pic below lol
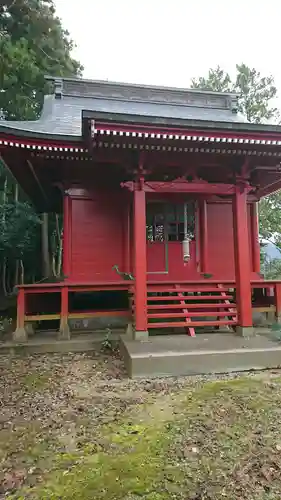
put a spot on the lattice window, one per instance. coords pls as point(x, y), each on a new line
point(166, 222)
point(175, 222)
point(155, 222)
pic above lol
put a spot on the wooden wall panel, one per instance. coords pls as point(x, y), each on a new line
point(98, 226)
point(220, 240)
point(100, 239)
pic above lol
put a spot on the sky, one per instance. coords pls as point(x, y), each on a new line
point(167, 42)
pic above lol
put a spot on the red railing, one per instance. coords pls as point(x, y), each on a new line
point(272, 298)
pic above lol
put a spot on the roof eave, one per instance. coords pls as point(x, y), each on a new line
point(15, 132)
point(181, 123)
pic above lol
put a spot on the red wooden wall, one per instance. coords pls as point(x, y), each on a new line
point(221, 243)
point(100, 238)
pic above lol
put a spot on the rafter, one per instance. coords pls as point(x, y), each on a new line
point(269, 189)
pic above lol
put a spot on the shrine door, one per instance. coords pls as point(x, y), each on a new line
point(165, 233)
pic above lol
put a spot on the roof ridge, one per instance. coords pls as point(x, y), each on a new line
point(78, 87)
point(136, 85)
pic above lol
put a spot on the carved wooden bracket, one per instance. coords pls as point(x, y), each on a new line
point(242, 184)
point(183, 186)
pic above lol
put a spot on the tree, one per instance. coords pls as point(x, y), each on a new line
point(255, 91)
point(270, 218)
point(255, 97)
point(32, 44)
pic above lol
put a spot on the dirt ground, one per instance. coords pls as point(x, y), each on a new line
point(74, 427)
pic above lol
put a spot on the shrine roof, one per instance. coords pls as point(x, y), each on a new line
point(74, 99)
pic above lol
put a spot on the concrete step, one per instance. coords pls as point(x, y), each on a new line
point(176, 355)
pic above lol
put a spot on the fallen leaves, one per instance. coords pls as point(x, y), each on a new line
point(225, 437)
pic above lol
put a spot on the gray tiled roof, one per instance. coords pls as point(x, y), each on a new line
point(62, 111)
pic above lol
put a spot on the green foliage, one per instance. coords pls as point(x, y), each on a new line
point(106, 344)
point(271, 268)
point(256, 94)
point(255, 97)
point(270, 218)
point(255, 91)
point(32, 44)
point(217, 80)
point(17, 228)
point(125, 276)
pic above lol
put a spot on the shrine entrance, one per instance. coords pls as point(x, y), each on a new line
point(166, 225)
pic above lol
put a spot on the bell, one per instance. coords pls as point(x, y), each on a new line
point(186, 249)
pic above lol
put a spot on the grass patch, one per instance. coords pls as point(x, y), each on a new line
point(208, 441)
point(35, 381)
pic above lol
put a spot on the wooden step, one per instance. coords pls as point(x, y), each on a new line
point(181, 324)
point(186, 289)
point(188, 314)
point(189, 297)
point(191, 306)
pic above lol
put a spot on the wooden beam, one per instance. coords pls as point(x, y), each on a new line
point(269, 189)
point(9, 170)
point(183, 186)
point(37, 180)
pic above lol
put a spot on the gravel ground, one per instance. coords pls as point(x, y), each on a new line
point(57, 405)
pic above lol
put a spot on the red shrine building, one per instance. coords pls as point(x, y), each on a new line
point(159, 189)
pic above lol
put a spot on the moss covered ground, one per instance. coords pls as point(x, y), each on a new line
point(73, 427)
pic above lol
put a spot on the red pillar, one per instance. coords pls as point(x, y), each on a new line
point(20, 334)
point(21, 308)
point(64, 333)
point(203, 229)
point(277, 297)
point(255, 237)
point(140, 263)
point(242, 261)
point(66, 235)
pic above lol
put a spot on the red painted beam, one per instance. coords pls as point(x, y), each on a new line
point(192, 314)
point(181, 324)
point(191, 306)
point(182, 186)
point(188, 297)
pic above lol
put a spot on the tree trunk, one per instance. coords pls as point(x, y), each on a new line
point(59, 236)
point(46, 267)
point(21, 272)
point(16, 199)
point(4, 267)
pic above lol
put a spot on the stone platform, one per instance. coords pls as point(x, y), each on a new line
point(175, 355)
point(47, 342)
